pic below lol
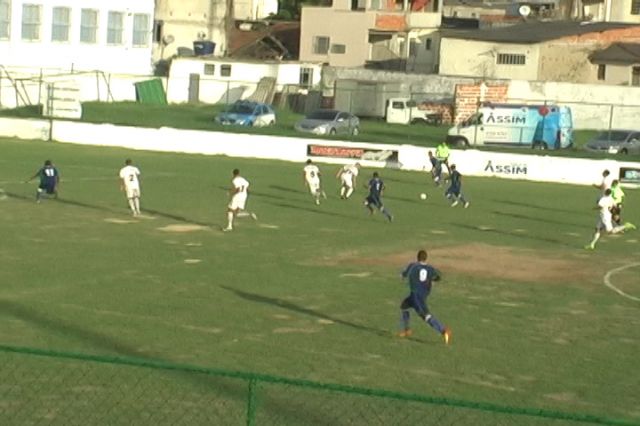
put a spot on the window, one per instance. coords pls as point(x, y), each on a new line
point(157, 31)
point(88, 25)
point(511, 59)
point(377, 4)
point(427, 44)
point(115, 27)
point(60, 23)
point(225, 70)
point(635, 7)
point(413, 49)
point(5, 18)
point(358, 5)
point(602, 71)
point(338, 48)
point(321, 45)
point(209, 69)
point(635, 76)
point(31, 21)
point(141, 30)
point(306, 76)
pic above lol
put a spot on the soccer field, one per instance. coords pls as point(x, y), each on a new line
point(312, 292)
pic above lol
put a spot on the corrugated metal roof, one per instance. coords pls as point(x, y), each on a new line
point(620, 53)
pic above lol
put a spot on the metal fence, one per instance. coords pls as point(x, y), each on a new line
point(59, 388)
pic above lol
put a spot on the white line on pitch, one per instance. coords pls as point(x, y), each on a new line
point(609, 274)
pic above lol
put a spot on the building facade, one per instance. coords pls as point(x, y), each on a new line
point(378, 33)
point(78, 35)
point(541, 51)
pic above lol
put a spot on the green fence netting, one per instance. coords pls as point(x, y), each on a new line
point(42, 387)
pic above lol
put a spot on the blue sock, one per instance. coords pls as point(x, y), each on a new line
point(405, 320)
point(435, 324)
point(386, 213)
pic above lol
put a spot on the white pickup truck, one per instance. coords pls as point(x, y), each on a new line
point(406, 111)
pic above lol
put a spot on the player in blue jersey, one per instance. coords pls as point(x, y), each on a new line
point(374, 199)
point(421, 276)
point(436, 168)
point(49, 180)
point(454, 192)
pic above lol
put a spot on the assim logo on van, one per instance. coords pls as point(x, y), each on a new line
point(505, 119)
point(506, 169)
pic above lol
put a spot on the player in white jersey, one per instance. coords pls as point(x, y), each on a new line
point(239, 192)
point(348, 176)
point(605, 183)
point(312, 174)
point(604, 206)
point(130, 184)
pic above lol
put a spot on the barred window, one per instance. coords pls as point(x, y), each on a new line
point(31, 21)
point(511, 59)
point(140, 30)
point(635, 7)
point(321, 45)
point(635, 76)
point(60, 23)
point(88, 26)
point(5, 18)
point(306, 76)
point(209, 69)
point(225, 70)
point(338, 48)
point(602, 72)
point(115, 27)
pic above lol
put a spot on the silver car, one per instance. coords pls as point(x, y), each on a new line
point(329, 122)
point(616, 142)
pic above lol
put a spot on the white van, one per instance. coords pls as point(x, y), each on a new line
point(406, 111)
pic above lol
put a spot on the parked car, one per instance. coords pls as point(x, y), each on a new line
point(247, 113)
point(329, 122)
point(616, 142)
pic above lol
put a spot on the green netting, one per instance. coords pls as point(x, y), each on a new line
point(151, 92)
point(55, 388)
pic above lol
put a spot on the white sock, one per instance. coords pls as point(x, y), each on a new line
point(229, 219)
point(136, 202)
point(132, 205)
point(243, 214)
point(618, 229)
point(349, 192)
point(596, 237)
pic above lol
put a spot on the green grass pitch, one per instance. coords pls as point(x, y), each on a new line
point(313, 291)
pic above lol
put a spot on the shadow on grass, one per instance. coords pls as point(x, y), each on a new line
point(286, 189)
point(314, 209)
point(535, 219)
point(302, 310)
point(111, 210)
point(512, 234)
point(533, 206)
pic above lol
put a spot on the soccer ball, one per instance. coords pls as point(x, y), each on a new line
point(423, 196)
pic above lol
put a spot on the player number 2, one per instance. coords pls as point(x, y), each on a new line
point(423, 275)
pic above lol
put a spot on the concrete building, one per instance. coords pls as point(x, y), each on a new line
point(537, 51)
point(618, 64)
point(113, 36)
point(384, 34)
point(611, 10)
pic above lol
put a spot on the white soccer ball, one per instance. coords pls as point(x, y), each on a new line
point(423, 196)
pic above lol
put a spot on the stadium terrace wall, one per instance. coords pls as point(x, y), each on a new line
point(471, 162)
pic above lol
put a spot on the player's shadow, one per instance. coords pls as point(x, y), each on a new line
point(317, 210)
point(535, 219)
point(511, 234)
point(301, 310)
point(285, 189)
point(112, 210)
point(534, 206)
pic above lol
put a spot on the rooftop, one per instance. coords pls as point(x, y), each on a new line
point(621, 53)
point(535, 31)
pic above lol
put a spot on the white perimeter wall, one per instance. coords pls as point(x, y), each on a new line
point(470, 162)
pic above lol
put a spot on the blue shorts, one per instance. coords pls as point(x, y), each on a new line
point(373, 202)
point(453, 190)
point(49, 188)
point(417, 302)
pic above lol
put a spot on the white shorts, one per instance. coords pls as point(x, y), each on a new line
point(347, 180)
point(314, 185)
point(133, 192)
point(238, 201)
point(605, 224)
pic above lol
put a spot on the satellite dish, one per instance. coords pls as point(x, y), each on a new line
point(202, 35)
point(524, 10)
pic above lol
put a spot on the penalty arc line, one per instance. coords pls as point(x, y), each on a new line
point(609, 274)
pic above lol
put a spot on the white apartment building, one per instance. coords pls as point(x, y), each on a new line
point(80, 35)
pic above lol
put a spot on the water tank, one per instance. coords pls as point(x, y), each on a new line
point(203, 47)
